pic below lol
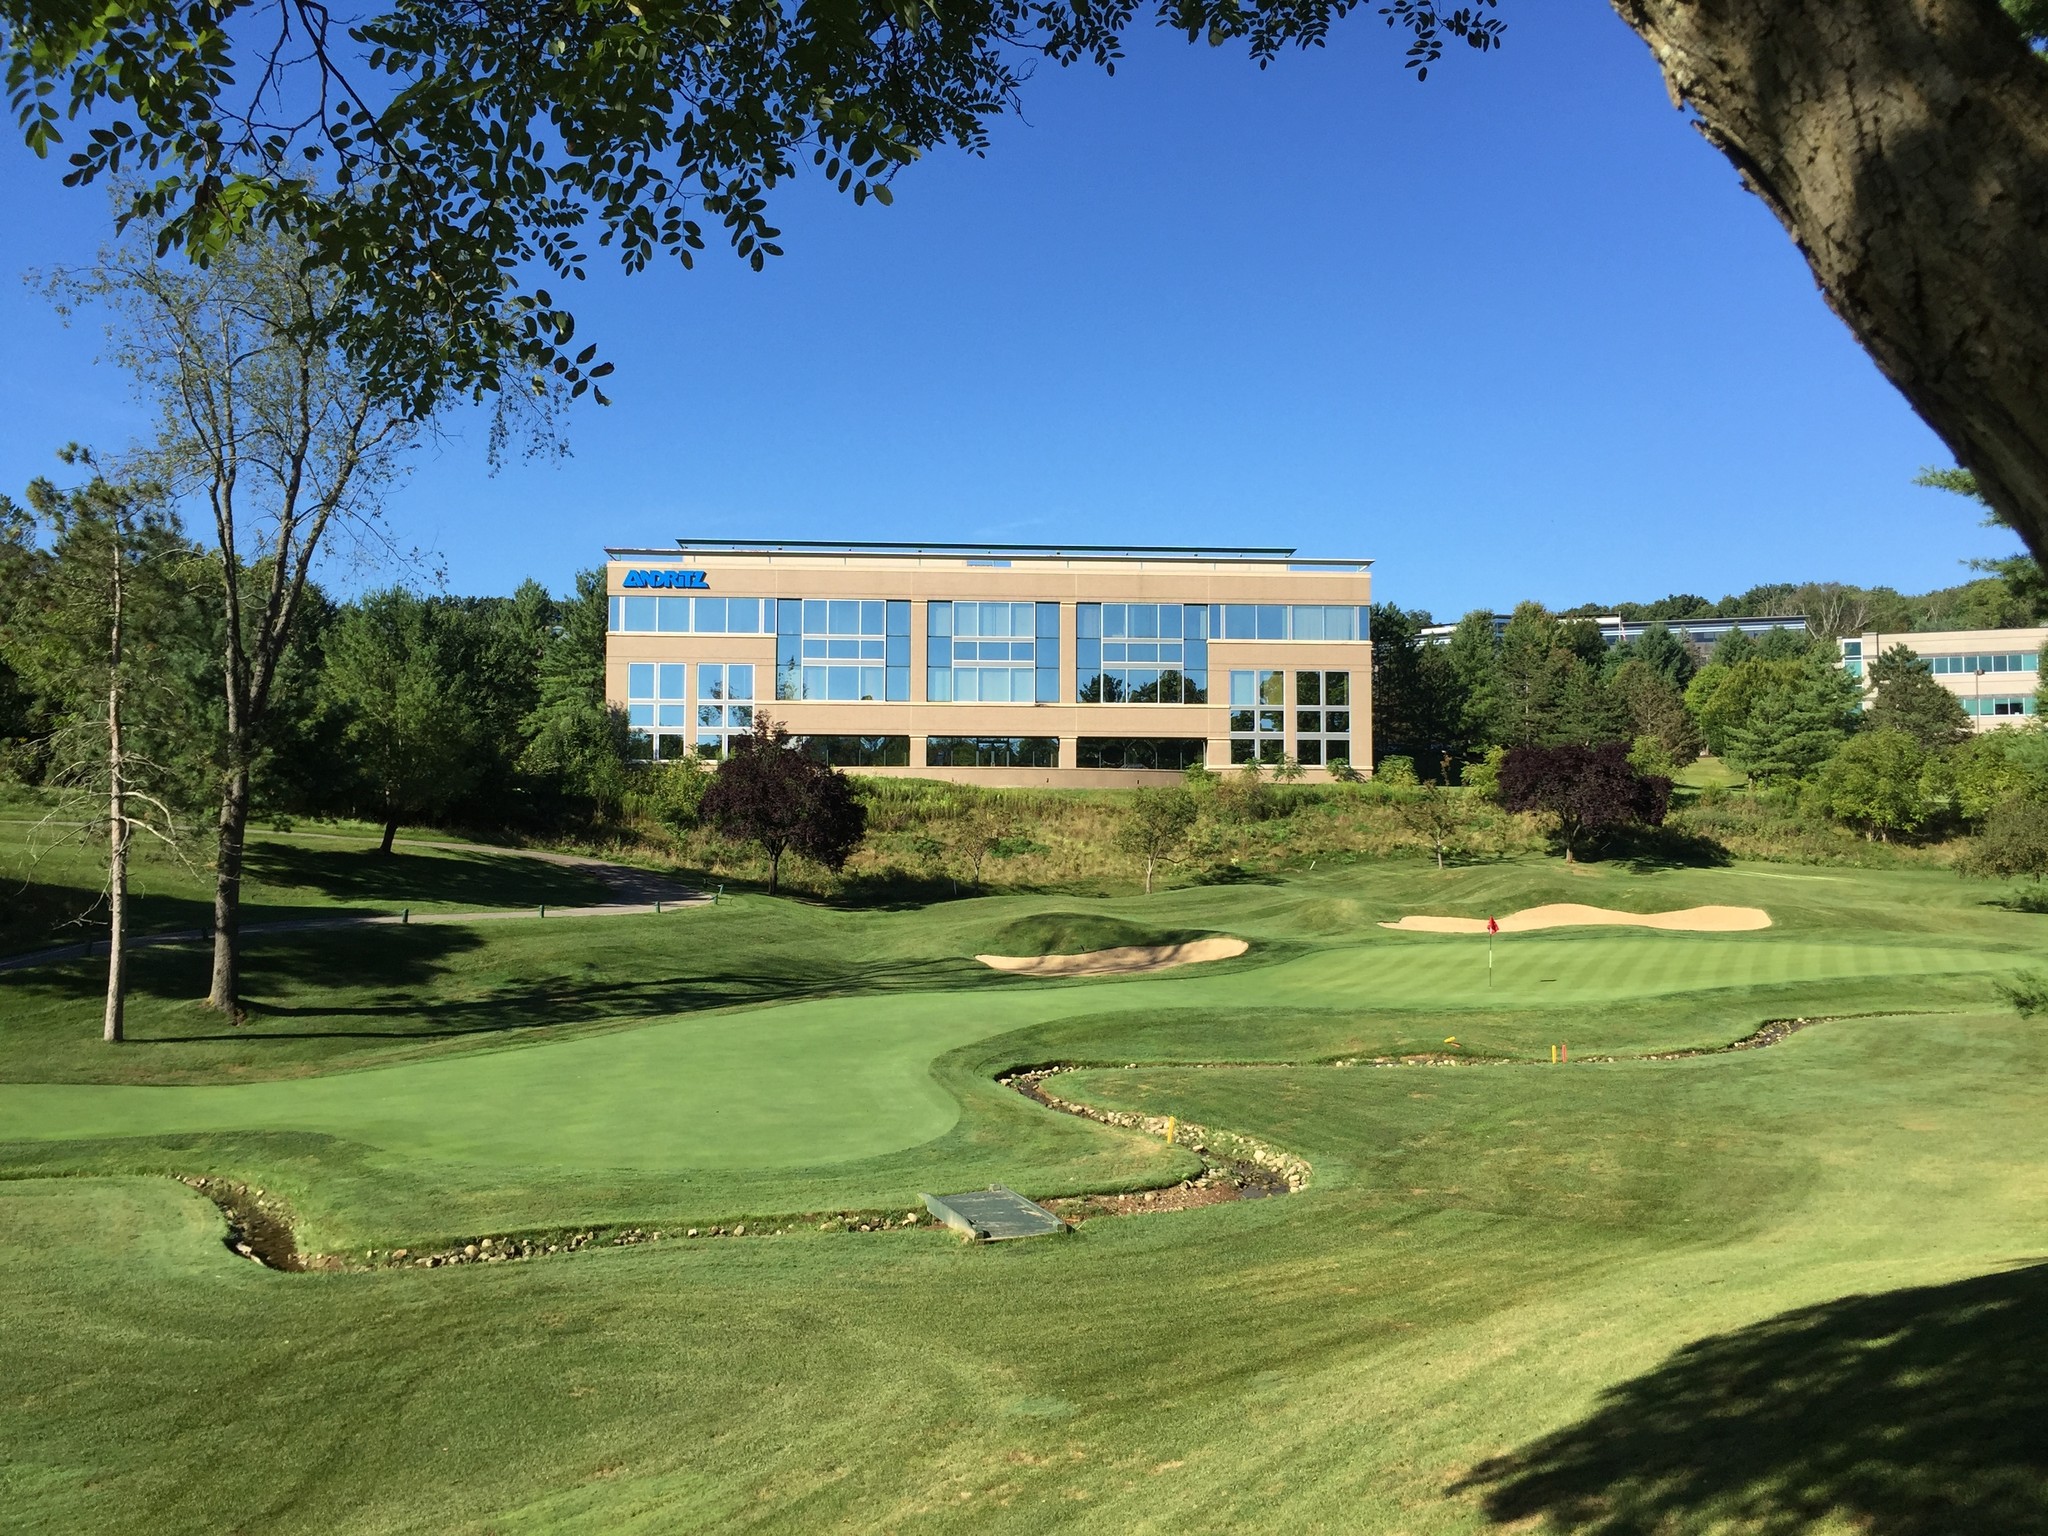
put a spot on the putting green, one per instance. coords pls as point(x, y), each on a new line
point(818, 1082)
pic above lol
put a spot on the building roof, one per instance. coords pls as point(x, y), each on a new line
point(887, 549)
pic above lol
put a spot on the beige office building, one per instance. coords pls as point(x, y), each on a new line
point(999, 664)
point(1992, 671)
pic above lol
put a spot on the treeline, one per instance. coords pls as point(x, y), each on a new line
point(487, 713)
point(2012, 597)
point(1777, 709)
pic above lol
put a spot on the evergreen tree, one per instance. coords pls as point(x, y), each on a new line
point(1473, 655)
point(577, 746)
point(1656, 710)
point(1908, 699)
point(1665, 654)
point(1793, 724)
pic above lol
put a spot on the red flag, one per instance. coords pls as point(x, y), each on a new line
point(1492, 926)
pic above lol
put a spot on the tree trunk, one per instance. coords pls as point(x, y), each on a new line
point(390, 830)
point(774, 868)
point(226, 991)
point(1904, 145)
point(117, 823)
point(1148, 874)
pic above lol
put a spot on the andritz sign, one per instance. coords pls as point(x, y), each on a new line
point(666, 579)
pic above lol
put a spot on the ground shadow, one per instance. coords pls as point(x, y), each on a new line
point(1913, 1413)
point(484, 878)
point(2034, 900)
point(1652, 850)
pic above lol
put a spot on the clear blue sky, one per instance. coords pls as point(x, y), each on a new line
point(1516, 332)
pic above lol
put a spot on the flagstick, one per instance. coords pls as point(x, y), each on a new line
point(1489, 959)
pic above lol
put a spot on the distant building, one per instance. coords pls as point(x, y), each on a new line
point(1701, 634)
point(1993, 671)
point(1010, 664)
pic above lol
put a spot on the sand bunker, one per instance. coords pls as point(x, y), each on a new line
point(1569, 914)
point(1127, 961)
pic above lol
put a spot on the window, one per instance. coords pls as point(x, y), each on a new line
point(1141, 653)
point(2000, 705)
point(1852, 647)
point(992, 751)
point(656, 709)
point(690, 615)
point(1258, 717)
point(725, 705)
point(1169, 753)
point(1322, 718)
point(1289, 621)
point(992, 653)
point(2008, 661)
point(858, 751)
point(842, 649)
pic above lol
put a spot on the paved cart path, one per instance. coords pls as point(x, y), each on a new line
point(635, 891)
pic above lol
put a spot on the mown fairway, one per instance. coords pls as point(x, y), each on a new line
point(1481, 1311)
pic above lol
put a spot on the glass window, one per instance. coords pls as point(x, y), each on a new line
point(858, 751)
point(639, 615)
point(640, 680)
point(1322, 736)
point(992, 751)
point(1272, 622)
point(1148, 653)
point(1308, 687)
point(743, 615)
point(1308, 623)
point(671, 675)
point(613, 622)
point(709, 615)
point(1157, 754)
point(1240, 622)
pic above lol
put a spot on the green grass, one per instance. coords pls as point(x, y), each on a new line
point(1767, 1290)
point(1075, 933)
point(50, 879)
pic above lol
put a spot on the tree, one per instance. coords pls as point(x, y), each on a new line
point(991, 821)
point(1999, 766)
point(1794, 723)
point(1435, 812)
point(577, 745)
point(1660, 651)
point(93, 636)
point(1473, 656)
point(1588, 789)
point(770, 792)
point(1878, 781)
point(1418, 698)
point(1157, 827)
point(410, 724)
point(1655, 709)
point(2013, 844)
point(1908, 699)
point(263, 417)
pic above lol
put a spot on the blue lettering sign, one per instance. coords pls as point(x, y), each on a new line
point(666, 579)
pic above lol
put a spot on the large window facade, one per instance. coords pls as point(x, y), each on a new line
point(858, 751)
point(1141, 653)
point(691, 615)
point(1158, 753)
point(725, 706)
point(1322, 718)
point(992, 751)
point(2002, 705)
point(992, 653)
point(2002, 661)
point(655, 708)
point(1288, 621)
point(1258, 717)
point(841, 650)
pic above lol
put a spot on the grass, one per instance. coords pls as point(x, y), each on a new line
point(1796, 1288)
point(50, 879)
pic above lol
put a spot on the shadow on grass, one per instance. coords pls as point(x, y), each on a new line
point(484, 878)
point(2023, 900)
point(1913, 1413)
point(1652, 850)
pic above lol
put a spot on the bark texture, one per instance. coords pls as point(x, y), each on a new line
point(1904, 145)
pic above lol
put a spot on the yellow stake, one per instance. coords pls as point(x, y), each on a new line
point(1170, 1125)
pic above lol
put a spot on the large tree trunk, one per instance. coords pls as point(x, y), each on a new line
point(1904, 145)
point(390, 830)
point(226, 990)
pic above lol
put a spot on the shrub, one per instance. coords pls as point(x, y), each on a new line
point(2014, 843)
point(1396, 773)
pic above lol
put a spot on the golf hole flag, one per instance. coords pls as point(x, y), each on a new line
point(1492, 927)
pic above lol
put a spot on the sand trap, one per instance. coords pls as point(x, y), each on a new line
point(1127, 961)
point(1569, 914)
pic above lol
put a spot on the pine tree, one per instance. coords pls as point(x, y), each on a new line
point(1908, 699)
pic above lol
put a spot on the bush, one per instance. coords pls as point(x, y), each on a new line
point(1587, 789)
point(2014, 843)
point(1396, 773)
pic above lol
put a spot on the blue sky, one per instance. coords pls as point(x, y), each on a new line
point(1515, 332)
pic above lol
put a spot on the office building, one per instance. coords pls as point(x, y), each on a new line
point(997, 664)
point(1992, 671)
